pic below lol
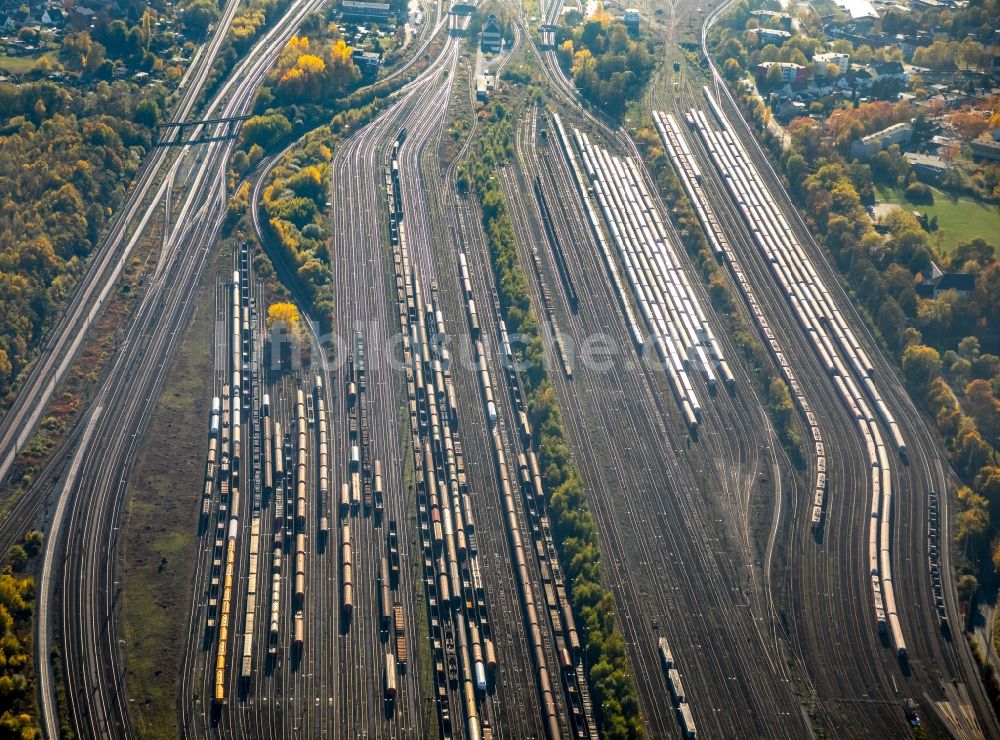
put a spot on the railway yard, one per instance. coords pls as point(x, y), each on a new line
point(377, 553)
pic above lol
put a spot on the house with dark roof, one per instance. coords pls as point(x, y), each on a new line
point(936, 282)
point(769, 36)
point(492, 36)
point(985, 148)
point(889, 69)
point(927, 167)
point(860, 78)
point(370, 11)
point(52, 17)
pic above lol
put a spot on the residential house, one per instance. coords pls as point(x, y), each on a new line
point(763, 16)
point(767, 36)
point(843, 62)
point(928, 168)
point(491, 37)
point(862, 12)
point(894, 70)
point(985, 148)
point(859, 78)
point(898, 133)
point(791, 73)
point(362, 10)
point(367, 61)
point(52, 17)
point(936, 281)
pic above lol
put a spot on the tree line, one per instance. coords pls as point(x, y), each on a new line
point(18, 714)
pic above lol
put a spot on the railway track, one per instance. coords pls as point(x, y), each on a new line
point(639, 632)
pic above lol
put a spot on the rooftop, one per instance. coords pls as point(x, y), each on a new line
point(858, 9)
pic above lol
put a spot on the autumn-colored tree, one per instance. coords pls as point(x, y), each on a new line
point(983, 406)
point(284, 316)
point(308, 182)
point(46, 226)
point(731, 70)
point(308, 72)
point(266, 130)
point(973, 521)
point(968, 124)
point(933, 316)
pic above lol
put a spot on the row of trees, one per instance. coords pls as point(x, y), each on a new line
point(18, 720)
point(251, 20)
point(573, 523)
point(963, 427)
point(64, 166)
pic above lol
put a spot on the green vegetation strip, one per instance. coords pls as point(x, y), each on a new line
point(609, 675)
point(159, 544)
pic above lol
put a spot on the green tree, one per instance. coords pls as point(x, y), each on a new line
point(934, 316)
point(921, 364)
point(969, 348)
point(18, 557)
point(967, 586)
point(977, 250)
point(773, 78)
point(199, 16)
point(147, 112)
point(265, 131)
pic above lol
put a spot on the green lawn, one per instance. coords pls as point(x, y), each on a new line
point(21, 65)
point(960, 219)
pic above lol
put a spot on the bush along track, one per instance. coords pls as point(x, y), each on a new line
point(608, 672)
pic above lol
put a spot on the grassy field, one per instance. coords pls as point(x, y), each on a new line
point(960, 219)
point(22, 65)
point(160, 531)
